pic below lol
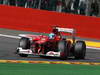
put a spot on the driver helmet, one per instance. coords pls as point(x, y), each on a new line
point(51, 36)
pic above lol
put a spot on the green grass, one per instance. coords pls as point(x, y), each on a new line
point(47, 69)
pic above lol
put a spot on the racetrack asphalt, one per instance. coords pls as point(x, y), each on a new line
point(8, 47)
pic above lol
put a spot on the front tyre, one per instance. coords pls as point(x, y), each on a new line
point(24, 44)
point(80, 49)
point(21, 55)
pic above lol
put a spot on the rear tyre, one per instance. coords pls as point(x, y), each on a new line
point(63, 48)
point(24, 44)
point(80, 50)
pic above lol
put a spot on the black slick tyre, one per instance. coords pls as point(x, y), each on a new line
point(80, 50)
point(24, 44)
point(63, 48)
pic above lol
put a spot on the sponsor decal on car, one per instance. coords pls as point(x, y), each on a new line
point(52, 53)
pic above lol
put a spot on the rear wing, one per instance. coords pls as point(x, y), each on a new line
point(68, 30)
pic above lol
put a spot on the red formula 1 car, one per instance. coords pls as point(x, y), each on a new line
point(53, 45)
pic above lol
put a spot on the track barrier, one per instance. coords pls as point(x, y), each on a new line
point(28, 19)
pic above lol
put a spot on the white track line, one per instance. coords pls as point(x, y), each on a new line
point(93, 48)
point(17, 37)
point(10, 36)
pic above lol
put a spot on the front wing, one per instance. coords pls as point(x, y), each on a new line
point(29, 51)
